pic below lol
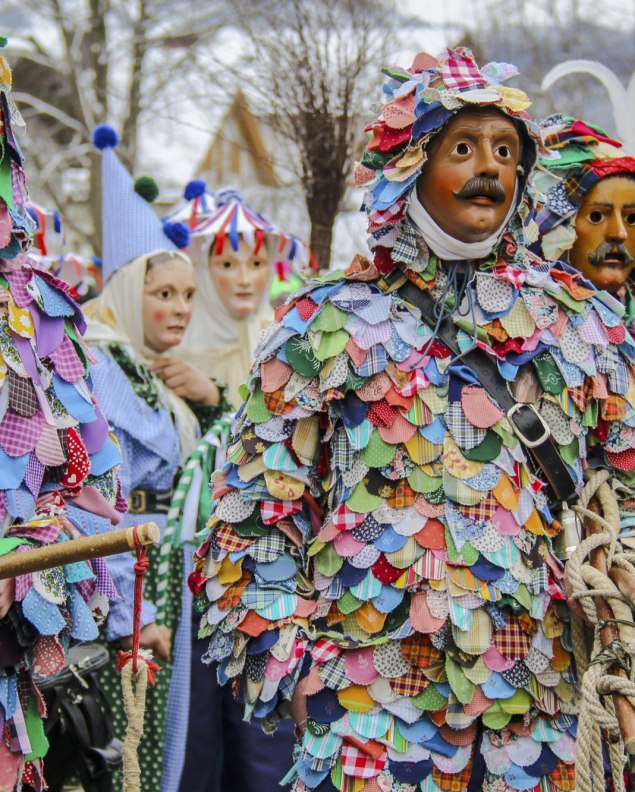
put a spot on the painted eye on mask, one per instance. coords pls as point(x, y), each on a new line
point(595, 217)
point(462, 149)
point(630, 219)
point(226, 265)
point(504, 151)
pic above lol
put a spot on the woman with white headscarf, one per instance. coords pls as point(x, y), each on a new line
point(156, 405)
point(234, 250)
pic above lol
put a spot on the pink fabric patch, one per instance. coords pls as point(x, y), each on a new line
point(421, 618)
point(359, 666)
point(479, 409)
point(19, 434)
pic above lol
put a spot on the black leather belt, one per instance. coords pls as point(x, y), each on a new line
point(527, 423)
point(142, 501)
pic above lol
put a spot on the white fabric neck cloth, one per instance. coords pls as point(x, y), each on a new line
point(446, 247)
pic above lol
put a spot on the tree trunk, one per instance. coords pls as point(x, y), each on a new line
point(94, 200)
point(322, 239)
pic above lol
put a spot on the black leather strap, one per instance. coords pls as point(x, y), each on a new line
point(525, 420)
point(141, 501)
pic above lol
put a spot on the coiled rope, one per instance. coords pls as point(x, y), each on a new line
point(605, 665)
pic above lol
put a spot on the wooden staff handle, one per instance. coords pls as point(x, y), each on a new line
point(609, 633)
point(625, 582)
point(82, 549)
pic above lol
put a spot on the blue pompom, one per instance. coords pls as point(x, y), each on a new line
point(194, 189)
point(177, 233)
point(104, 137)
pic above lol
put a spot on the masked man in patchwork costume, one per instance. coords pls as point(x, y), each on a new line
point(380, 557)
point(585, 192)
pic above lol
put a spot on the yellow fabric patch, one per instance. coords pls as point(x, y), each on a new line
point(431, 398)
point(456, 464)
point(505, 494)
point(513, 98)
point(356, 698)
point(283, 487)
point(518, 704)
point(230, 572)
point(477, 639)
point(20, 320)
point(369, 618)
point(519, 323)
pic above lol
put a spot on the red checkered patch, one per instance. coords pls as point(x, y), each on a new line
point(358, 764)
point(297, 653)
point(418, 382)
point(345, 519)
point(272, 511)
point(460, 71)
point(325, 650)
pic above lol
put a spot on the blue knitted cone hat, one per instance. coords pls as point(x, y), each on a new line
point(130, 227)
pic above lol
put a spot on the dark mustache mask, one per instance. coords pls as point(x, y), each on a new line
point(482, 185)
point(615, 250)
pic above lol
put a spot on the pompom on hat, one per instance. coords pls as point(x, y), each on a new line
point(130, 228)
point(418, 103)
point(579, 154)
point(198, 205)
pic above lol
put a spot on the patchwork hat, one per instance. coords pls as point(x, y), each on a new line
point(130, 228)
point(233, 219)
point(16, 224)
point(579, 155)
point(418, 102)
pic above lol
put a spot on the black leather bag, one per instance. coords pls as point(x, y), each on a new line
point(79, 725)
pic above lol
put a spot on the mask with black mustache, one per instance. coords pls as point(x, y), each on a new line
point(482, 185)
point(614, 250)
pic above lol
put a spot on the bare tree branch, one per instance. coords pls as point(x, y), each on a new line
point(311, 63)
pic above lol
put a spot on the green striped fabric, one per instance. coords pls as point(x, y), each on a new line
point(188, 503)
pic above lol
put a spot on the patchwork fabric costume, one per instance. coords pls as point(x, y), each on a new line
point(58, 466)
point(580, 154)
point(379, 530)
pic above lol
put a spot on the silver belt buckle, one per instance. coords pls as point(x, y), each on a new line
point(524, 440)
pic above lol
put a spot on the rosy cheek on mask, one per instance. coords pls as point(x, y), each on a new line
point(159, 316)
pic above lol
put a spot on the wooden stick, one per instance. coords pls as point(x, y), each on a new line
point(624, 581)
point(609, 633)
point(13, 564)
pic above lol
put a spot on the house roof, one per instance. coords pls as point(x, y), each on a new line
point(252, 141)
